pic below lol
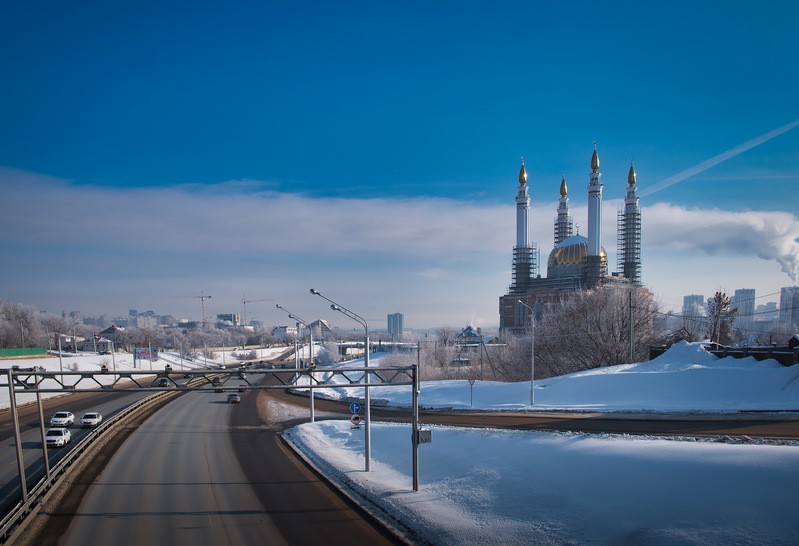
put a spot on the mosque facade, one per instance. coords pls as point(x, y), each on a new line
point(576, 262)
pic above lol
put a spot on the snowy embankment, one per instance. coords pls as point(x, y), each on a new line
point(526, 487)
point(686, 378)
point(530, 487)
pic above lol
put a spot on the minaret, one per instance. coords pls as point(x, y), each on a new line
point(594, 269)
point(522, 211)
point(629, 232)
point(563, 223)
point(524, 256)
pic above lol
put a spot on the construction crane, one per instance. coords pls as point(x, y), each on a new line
point(202, 297)
point(245, 301)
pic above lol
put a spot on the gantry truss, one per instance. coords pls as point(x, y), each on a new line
point(32, 380)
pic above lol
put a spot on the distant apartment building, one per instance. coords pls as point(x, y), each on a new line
point(284, 331)
point(744, 301)
point(693, 313)
point(226, 320)
point(396, 325)
point(767, 312)
point(789, 305)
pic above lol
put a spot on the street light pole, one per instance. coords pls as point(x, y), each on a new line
point(532, 352)
point(311, 363)
point(368, 396)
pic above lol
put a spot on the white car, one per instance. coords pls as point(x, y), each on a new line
point(62, 419)
point(57, 437)
point(91, 419)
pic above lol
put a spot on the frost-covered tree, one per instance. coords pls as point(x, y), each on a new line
point(720, 318)
point(591, 329)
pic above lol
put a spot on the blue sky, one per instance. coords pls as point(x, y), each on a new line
point(370, 150)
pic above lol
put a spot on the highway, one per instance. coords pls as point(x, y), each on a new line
point(208, 472)
point(108, 404)
point(202, 471)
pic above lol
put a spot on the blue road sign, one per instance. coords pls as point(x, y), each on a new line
point(355, 407)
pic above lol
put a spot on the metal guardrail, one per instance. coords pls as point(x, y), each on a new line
point(17, 519)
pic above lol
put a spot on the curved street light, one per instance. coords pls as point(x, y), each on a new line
point(368, 397)
point(310, 341)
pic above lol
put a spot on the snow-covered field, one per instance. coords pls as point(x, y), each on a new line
point(526, 487)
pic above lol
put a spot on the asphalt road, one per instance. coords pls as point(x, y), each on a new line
point(107, 404)
point(202, 471)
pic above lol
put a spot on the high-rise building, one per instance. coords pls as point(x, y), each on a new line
point(744, 301)
point(693, 312)
point(396, 325)
point(788, 309)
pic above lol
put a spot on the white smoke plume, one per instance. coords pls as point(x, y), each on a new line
point(769, 235)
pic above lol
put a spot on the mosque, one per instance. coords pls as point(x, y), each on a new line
point(576, 262)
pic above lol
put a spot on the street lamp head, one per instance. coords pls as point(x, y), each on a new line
point(315, 292)
point(335, 307)
point(278, 306)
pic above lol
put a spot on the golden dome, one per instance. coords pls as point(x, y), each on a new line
point(522, 175)
point(631, 175)
point(563, 189)
point(567, 258)
point(594, 161)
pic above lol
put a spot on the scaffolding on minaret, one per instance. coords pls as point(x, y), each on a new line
point(563, 230)
point(564, 225)
point(525, 268)
point(629, 244)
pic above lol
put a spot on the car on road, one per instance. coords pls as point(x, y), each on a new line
point(217, 383)
point(233, 398)
point(57, 437)
point(91, 419)
point(162, 382)
point(243, 387)
point(62, 419)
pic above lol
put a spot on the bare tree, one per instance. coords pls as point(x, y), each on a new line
point(446, 335)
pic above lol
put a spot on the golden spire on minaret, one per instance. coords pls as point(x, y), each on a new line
point(594, 160)
point(563, 189)
point(631, 174)
point(522, 174)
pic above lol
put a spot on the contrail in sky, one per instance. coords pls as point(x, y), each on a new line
point(713, 161)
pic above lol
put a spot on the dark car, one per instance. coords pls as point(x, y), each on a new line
point(217, 383)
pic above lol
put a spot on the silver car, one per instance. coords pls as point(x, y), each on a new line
point(91, 419)
point(62, 419)
point(57, 437)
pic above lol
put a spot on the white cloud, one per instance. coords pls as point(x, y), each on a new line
point(439, 261)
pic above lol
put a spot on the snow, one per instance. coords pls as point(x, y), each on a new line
point(684, 378)
point(527, 487)
point(482, 486)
